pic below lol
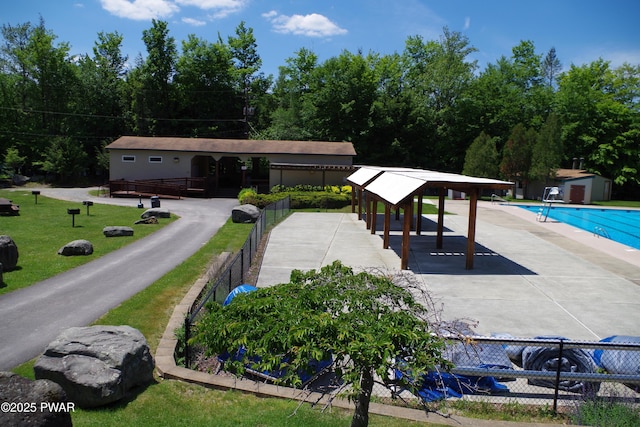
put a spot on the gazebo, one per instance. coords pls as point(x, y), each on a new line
point(397, 188)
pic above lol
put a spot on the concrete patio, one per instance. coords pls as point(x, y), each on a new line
point(530, 278)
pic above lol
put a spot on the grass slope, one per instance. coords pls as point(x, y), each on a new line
point(42, 229)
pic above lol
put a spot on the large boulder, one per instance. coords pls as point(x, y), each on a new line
point(245, 214)
point(42, 402)
point(117, 231)
point(8, 253)
point(157, 212)
point(77, 247)
point(97, 365)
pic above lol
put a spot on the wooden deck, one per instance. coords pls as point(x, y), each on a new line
point(174, 188)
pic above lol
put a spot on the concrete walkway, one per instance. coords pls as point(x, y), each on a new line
point(529, 278)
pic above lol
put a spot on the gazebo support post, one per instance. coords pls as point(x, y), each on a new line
point(419, 215)
point(374, 214)
point(471, 235)
point(406, 234)
point(440, 230)
point(387, 226)
point(353, 200)
point(360, 203)
point(368, 210)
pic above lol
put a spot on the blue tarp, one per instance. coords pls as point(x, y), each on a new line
point(625, 362)
point(441, 385)
point(438, 385)
point(244, 288)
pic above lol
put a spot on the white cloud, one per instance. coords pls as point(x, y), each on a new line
point(194, 22)
point(140, 10)
point(221, 8)
point(270, 14)
point(312, 25)
point(467, 23)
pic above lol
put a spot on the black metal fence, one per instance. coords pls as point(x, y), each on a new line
point(543, 371)
point(236, 270)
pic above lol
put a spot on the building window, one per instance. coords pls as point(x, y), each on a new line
point(128, 159)
point(155, 159)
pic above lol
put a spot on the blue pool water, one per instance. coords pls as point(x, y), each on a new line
point(620, 225)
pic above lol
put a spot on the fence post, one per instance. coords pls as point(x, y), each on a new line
point(187, 334)
point(241, 265)
point(557, 384)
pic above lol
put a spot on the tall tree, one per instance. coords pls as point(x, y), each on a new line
point(551, 67)
point(99, 105)
point(509, 92)
point(247, 63)
point(516, 155)
point(343, 90)
point(153, 101)
point(292, 109)
point(547, 152)
point(482, 158)
point(204, 86)
point(438, 73)
point(44, 78)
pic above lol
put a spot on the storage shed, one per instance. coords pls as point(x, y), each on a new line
point(576, 186)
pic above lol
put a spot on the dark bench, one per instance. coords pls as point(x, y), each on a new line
point(6, 207)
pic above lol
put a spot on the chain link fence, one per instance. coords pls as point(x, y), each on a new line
point(236, 271)
point(550, 371)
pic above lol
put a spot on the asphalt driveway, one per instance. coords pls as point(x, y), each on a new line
point(32, 317)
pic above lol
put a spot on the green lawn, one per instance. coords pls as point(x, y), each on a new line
point(42, 229)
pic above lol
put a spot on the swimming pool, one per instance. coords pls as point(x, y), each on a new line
point(620, 225)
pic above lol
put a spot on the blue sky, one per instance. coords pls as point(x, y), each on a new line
point(580, 30)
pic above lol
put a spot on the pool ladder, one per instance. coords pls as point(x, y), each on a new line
point(601, 231)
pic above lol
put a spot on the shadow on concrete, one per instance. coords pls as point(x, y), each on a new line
point(425, 258)
point(428, 225)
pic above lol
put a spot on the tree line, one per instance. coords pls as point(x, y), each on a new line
point(428, 105)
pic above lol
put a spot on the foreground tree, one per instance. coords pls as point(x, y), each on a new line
point(370, 323)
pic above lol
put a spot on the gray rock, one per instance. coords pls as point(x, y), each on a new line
point(8, 253)
point(150, 220)
point(19, 390)
point(77, 247)
point(97, 365)
point(157, 212)
point(20, 179)
point(117, 231)
point(245, 214)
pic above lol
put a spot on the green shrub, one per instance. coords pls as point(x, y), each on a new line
point(302, 196)
point(319, 199)
point(246, 192)
point(336, 189)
